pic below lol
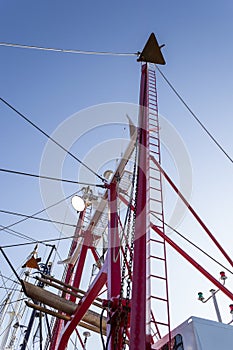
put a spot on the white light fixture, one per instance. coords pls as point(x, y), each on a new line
point(78, 203)
point(108, 174)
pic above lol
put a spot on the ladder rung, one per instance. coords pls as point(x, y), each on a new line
point(153, 104)
point(161, 323)
point(155, 200)
point(156, 240)
point(153, 123)
point(158, 298)
point(156, 257)
point(155, 178)
point(160, 277)
point(154, 126)
point(156, 189)
point(154, 152)
point(153, 169)
point(152, 99)
point(154, 137)
point(155, 212)
point(152, 94)
point(153, 144)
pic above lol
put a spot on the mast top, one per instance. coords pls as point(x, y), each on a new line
point(152, 52)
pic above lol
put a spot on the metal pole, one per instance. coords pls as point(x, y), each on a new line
point(192, 211)
point(24, 345)
point(193, 262)
point(58, 322)
point(139, 336)
point(213, 292)
point(81, 261)
point(113, 258)
point(40, 328)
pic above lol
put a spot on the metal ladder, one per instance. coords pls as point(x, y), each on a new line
point(160, 317)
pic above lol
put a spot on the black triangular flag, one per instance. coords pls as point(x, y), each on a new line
point(151, 52)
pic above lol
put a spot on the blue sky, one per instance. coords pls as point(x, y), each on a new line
point(49, 87)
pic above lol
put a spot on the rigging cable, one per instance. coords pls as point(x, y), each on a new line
point(14, 290)
point(35, 218)
point(39, 212)
point(50, 138)
point(83, 52)
point(40, 242)
point(115, 54)
point(195, 116)
point(17, 234)
point(193, 244)
point(15, 301)
point(101, 328)
point(10, 264)
point(7, 279)
point(49, 178)
point(58, 242)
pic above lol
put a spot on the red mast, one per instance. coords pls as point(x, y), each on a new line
point(130, 271)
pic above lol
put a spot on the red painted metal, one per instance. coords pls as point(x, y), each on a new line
point(140, 318)
point(81, 261)
point(193, 262)
point(80, 339)
point(190, 259)
point(156, 207)
point(86, 302)
point(139, 336)
point(114, 273)
point(197, 217)
point(93, 250)
point(59, 323)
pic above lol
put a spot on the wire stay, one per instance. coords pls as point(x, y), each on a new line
point(10, 264)
point(48, 177)
point(50, 138)
point(38, 212)
point(195, 116)
point(192, 243)
point(83, 52)
point(35, 218)
point(40, 242)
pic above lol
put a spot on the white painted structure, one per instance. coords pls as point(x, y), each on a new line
point(200, 334)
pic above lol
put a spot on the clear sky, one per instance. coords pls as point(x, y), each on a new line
point(49, 87)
